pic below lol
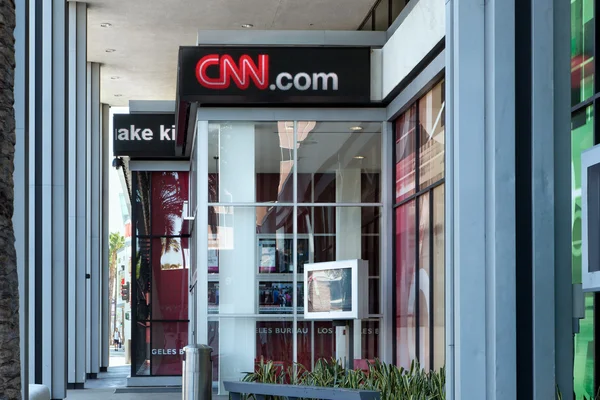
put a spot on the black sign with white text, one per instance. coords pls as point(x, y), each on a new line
point(144, 135)
point(274, 75)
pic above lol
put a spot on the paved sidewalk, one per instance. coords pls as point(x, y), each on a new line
point(105, 387)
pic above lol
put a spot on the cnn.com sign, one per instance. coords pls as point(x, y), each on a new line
point(274, 75)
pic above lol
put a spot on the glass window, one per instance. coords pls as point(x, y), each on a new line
point(339, 162)
point(168, 340)
point(170, 193)
point(406, 127)
point(431, 143)
point(439, 341)
point(582, 50)
point(142, 202)
point(170, 259)
point(424, 282)
point(382, 13)
point(141, 341)
point(250, 161)
point(405, 281)
point(582, 138)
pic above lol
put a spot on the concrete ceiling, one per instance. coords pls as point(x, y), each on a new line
point(146, 34)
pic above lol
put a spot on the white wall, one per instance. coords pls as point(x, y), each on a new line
point(416, 36)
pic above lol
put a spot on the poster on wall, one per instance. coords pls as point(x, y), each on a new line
point(213, 297)
point(276, 297)
point(276, 255)
point(267, 250)
point(213, 261)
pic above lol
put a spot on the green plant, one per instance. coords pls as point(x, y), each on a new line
point(392, 382)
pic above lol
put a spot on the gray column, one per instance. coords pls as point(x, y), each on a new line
point(562, 195)
point(104, 232)
point(93, 218)
point(77, 193)
point(57, 353)
point(21, 181)
point(480, 197)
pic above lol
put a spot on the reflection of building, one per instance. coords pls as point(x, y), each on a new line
point(123, 291)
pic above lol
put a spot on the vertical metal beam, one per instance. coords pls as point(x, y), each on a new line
point(562, 197)
point(45, 206)
point(21, 180)
point(105, 297)
point(33, 134)
point(94, 181)
point(80, 158)
point(386, 239)
point(58, 266)
point(542, 208)
point(72, 197)
point(480, 198)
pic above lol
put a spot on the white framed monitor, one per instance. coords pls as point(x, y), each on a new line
point(336, 290)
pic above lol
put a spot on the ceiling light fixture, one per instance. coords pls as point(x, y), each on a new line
point(359, 157)
point(110, 50)
point(106, 25)
point(247, 26)
point(356, 128)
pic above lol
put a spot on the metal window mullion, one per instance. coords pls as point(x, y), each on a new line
point(394, 263)
point(420, 193)
point(148, 323)
point(431, 281)
point(295, 251)
point(134, 293)
point(417, 232)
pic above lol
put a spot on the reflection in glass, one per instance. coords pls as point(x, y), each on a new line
point(370, 341)
point(277, 297)
point(251, 161)
point(340, 162)
point(317, 335)
point(582, 50)
point(170, 278)
point(141, 339)
point(405, 280)
point(170, 194)
point(330, 290)
point(168, 341)
point(142, 202)
point(405, 130)
point(431, 144)
point(439, 341)
point(143, 273)
point(424, 284)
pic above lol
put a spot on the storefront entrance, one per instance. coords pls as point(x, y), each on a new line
point(275, 195)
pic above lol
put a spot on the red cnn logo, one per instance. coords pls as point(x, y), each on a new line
point(241, 73)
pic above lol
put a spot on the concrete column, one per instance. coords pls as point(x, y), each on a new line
point(104, 232)
point(21, 180)
point(93, 214)
point(348, 232)
point(480, 200)
point(77, 194)
point(237, 266)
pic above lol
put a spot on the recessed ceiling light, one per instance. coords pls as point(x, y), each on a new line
point(118, 95)
point(106, 25)
point(356, 128)
point(110, 50)
point(359, 157)
point(114, 78)
point(247, 26)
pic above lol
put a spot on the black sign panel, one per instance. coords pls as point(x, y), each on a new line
point(272, 75)
point(144, 135)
